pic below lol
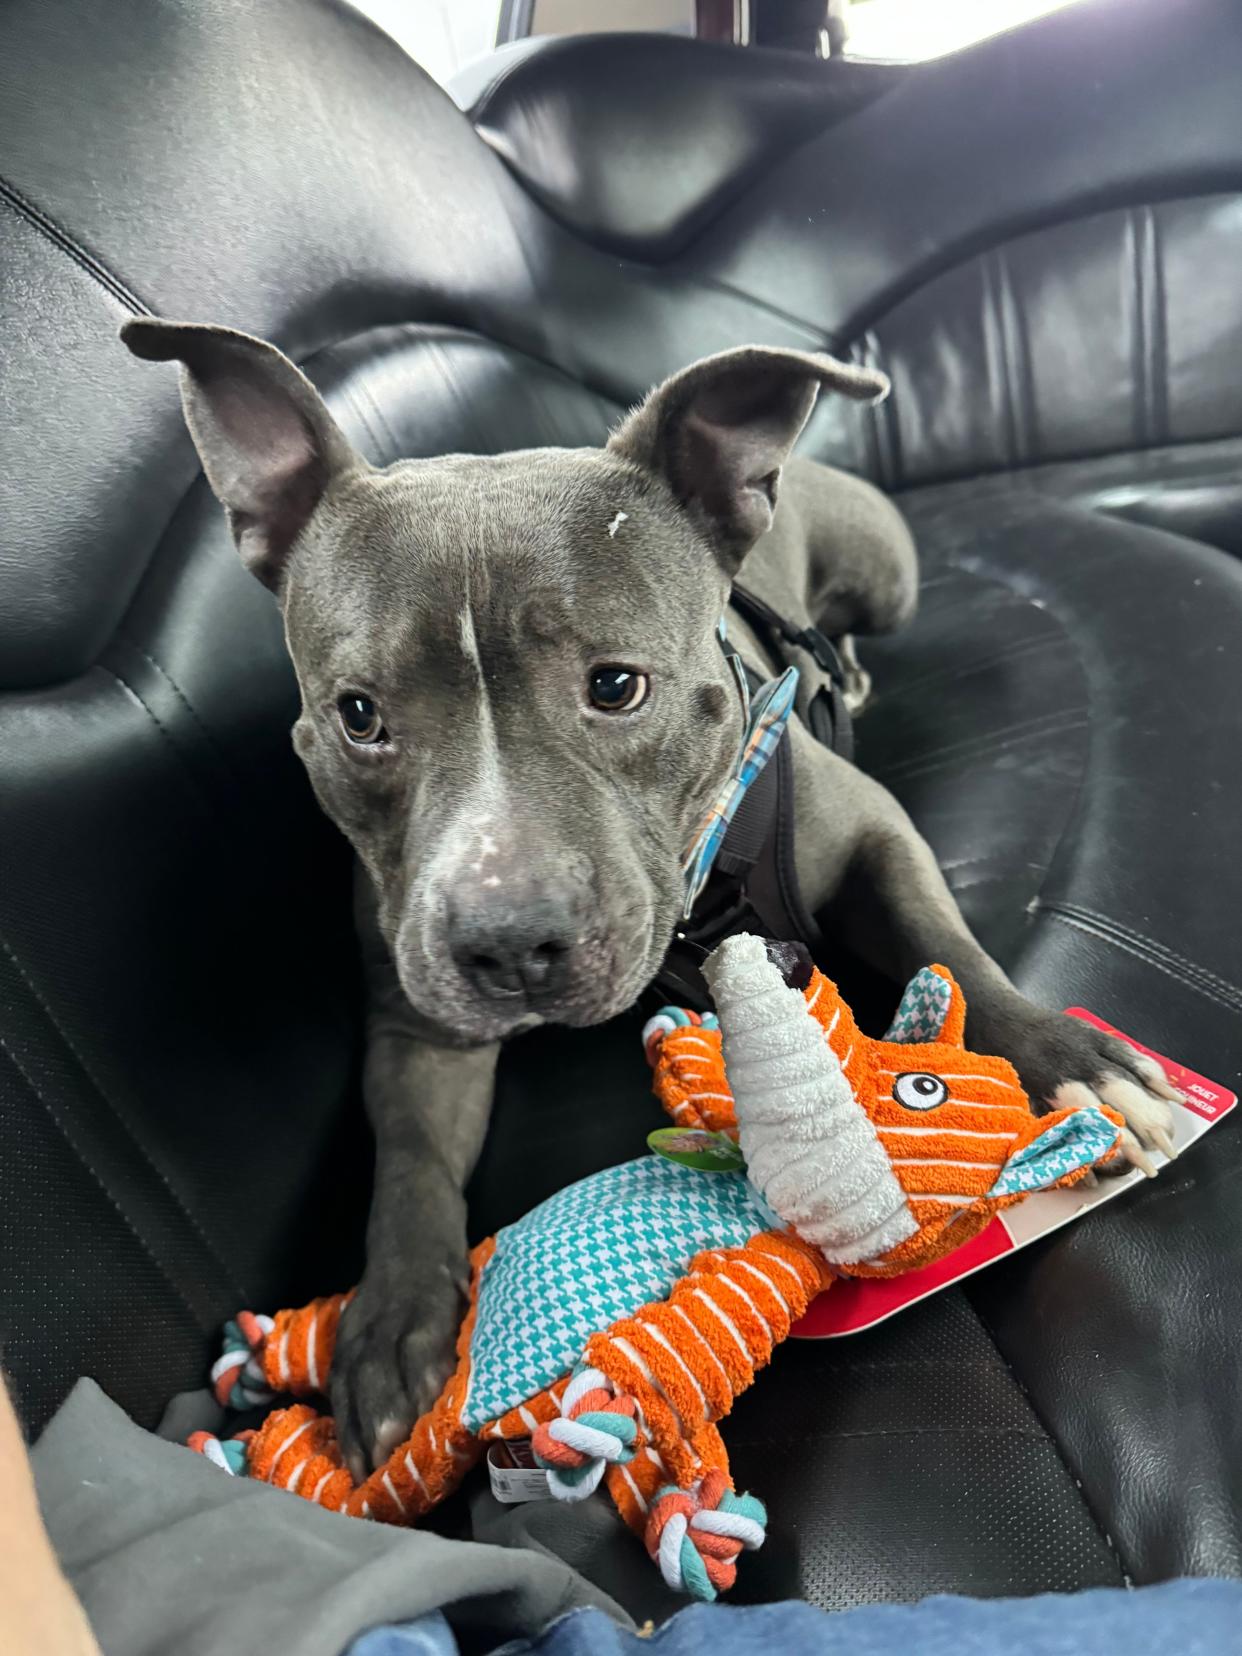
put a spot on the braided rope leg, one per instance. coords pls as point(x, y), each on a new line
point(685, 1359)
point(263, 1358)
point(237, 1376)
point(684, 1051)
point(231, 1455)
point(596, 1428)
point(696, 1535)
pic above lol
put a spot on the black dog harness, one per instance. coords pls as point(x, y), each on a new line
point(753, 884)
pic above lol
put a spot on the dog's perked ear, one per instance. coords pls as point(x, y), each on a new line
point(268, 445)
point(720, 431)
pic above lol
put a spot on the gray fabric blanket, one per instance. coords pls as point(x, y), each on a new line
point(171, 1556)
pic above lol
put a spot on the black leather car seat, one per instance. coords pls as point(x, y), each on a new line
point(1038, 239)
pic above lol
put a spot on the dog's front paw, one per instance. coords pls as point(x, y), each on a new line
point(394, 1352)
point(1066, 1064)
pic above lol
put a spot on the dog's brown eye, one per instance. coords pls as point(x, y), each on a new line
point(617, 689)
point(361, 719)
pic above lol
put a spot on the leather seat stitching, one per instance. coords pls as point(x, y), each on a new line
point(852, 329)
point(1154, 945)
point(358, 398)
point(165, 735)
point(1058, 1447)
point(1018, 362)
point(1157, 334)
point(60, 238)
point(437, 359)
point(81, 1061)
point(1144, 949)
point(886, 417)
point(1149, 953)
point(1143, 955)
point(969, 248)
point(230, 773)
point(87, 1070)
point(1135, 247)
point(996, 353)
point(999, 741)
point(85, 1160)
point(1033, 645)
point(1101, 924)
point(978, 572)
point(192, 713)
point(865, 352)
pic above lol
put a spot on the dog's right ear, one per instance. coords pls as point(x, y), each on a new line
point(268, 445)
point(720, 431)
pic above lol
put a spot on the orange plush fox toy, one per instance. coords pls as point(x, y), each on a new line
point(615, 1324)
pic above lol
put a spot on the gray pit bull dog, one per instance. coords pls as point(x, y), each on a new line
point(515, 707)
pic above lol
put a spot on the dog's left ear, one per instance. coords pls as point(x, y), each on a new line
point(268, 445)
point(720, 431)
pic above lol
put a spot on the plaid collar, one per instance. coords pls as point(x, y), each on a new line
point(766, 714)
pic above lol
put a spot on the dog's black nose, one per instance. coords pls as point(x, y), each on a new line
point(504, 952)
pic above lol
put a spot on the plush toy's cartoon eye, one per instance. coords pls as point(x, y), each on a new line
point(617, 689)
point(919, 1092)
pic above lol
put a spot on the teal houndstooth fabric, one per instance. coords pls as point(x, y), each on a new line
point(1078, 1141)
point(586, 1257)
point(923, 1009)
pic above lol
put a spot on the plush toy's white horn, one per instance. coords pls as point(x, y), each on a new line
point(810, 1148)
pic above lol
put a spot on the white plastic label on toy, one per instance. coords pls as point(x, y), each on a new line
point(856, 1303)
point(514, 1475)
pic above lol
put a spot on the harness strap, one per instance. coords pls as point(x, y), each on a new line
point(753, 884)
point(826, 713)
point(752, 821)
point(772, 884)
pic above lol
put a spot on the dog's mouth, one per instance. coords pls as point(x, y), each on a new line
point(472, 1021)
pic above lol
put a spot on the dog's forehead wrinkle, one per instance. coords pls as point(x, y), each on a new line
point(556, 502)
point(527, 534)
point(491, 497)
